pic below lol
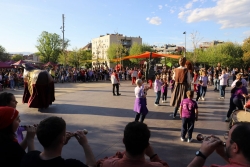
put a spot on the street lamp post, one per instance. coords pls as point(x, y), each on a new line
point(185, 44)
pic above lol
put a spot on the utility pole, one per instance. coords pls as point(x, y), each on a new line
point(63, 47)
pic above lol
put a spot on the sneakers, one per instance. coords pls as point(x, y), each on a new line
point(163, 101)
point(221, 98)
point(203, 99)
point(156, 104)
point(118, 94)
point(227, 119)
point(190, 140)
point(182, 139)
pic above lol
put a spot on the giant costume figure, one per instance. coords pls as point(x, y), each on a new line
point(39, 90)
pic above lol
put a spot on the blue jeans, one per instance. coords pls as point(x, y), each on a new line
point(216, 84)
point(187, 127)
point(222, 90)
point(158, 96)
point(12, 84)
point(203, 91)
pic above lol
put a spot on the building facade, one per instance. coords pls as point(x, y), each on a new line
point(101, 44)
point(205, 45)
point(168, 49)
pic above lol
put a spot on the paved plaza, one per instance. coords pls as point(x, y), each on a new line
point(92, 106)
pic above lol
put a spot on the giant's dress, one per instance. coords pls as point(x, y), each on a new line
point(180, 86)
point(39, 90)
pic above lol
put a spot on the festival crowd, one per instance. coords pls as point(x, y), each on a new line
point(184, 84)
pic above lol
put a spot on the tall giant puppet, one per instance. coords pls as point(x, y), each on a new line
point(39, 90)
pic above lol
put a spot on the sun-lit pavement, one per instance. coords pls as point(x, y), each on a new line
point(92, 106)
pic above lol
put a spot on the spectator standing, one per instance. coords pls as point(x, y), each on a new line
point(134, 75)
point(223, 84)
point(204, 80)
point(157, 89)
point(11, 80)
point(164, 89)
point(188, 114)
point(115, 82)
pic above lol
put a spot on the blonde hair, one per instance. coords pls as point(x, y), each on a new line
point(138, 81)
point(190, 94)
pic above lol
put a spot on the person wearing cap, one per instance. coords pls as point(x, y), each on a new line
point(11, 152)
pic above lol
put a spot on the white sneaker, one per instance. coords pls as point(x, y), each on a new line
point(156, 104)
point(182, 139)
point(190, 140)
point(162, 101)
point(203, 99)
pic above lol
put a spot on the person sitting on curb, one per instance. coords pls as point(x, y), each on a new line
point(136, 141)
point(52, 135)
point(237, 150)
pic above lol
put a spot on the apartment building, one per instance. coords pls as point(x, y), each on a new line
point(168, 49)
point(101, 44)
point(205, 45)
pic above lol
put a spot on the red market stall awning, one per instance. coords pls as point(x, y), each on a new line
point(50, 64)
point(4, 65)
point(18, 63)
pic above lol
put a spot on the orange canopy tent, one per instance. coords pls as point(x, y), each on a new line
point(147, 54)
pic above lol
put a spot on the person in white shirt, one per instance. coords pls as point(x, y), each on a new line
point(134, 75)
point(223, 83)
point(115, 82)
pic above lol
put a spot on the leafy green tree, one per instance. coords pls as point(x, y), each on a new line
point(4, 56)
point(49, 46)
point(76, 57)
point(17, 57)
point(137, 49)
point(115, 51)
point(246, 51)
point(228, 54)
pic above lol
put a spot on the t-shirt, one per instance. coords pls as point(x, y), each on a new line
point(139, 92)
point(11, 154)
point(204, 80)
point(32, 159)
point(188, 108)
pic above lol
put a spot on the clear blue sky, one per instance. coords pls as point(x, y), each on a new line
point(158, 22)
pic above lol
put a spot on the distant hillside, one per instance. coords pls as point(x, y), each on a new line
point(23, 53)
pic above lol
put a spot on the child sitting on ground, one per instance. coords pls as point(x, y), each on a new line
point(188, 114)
